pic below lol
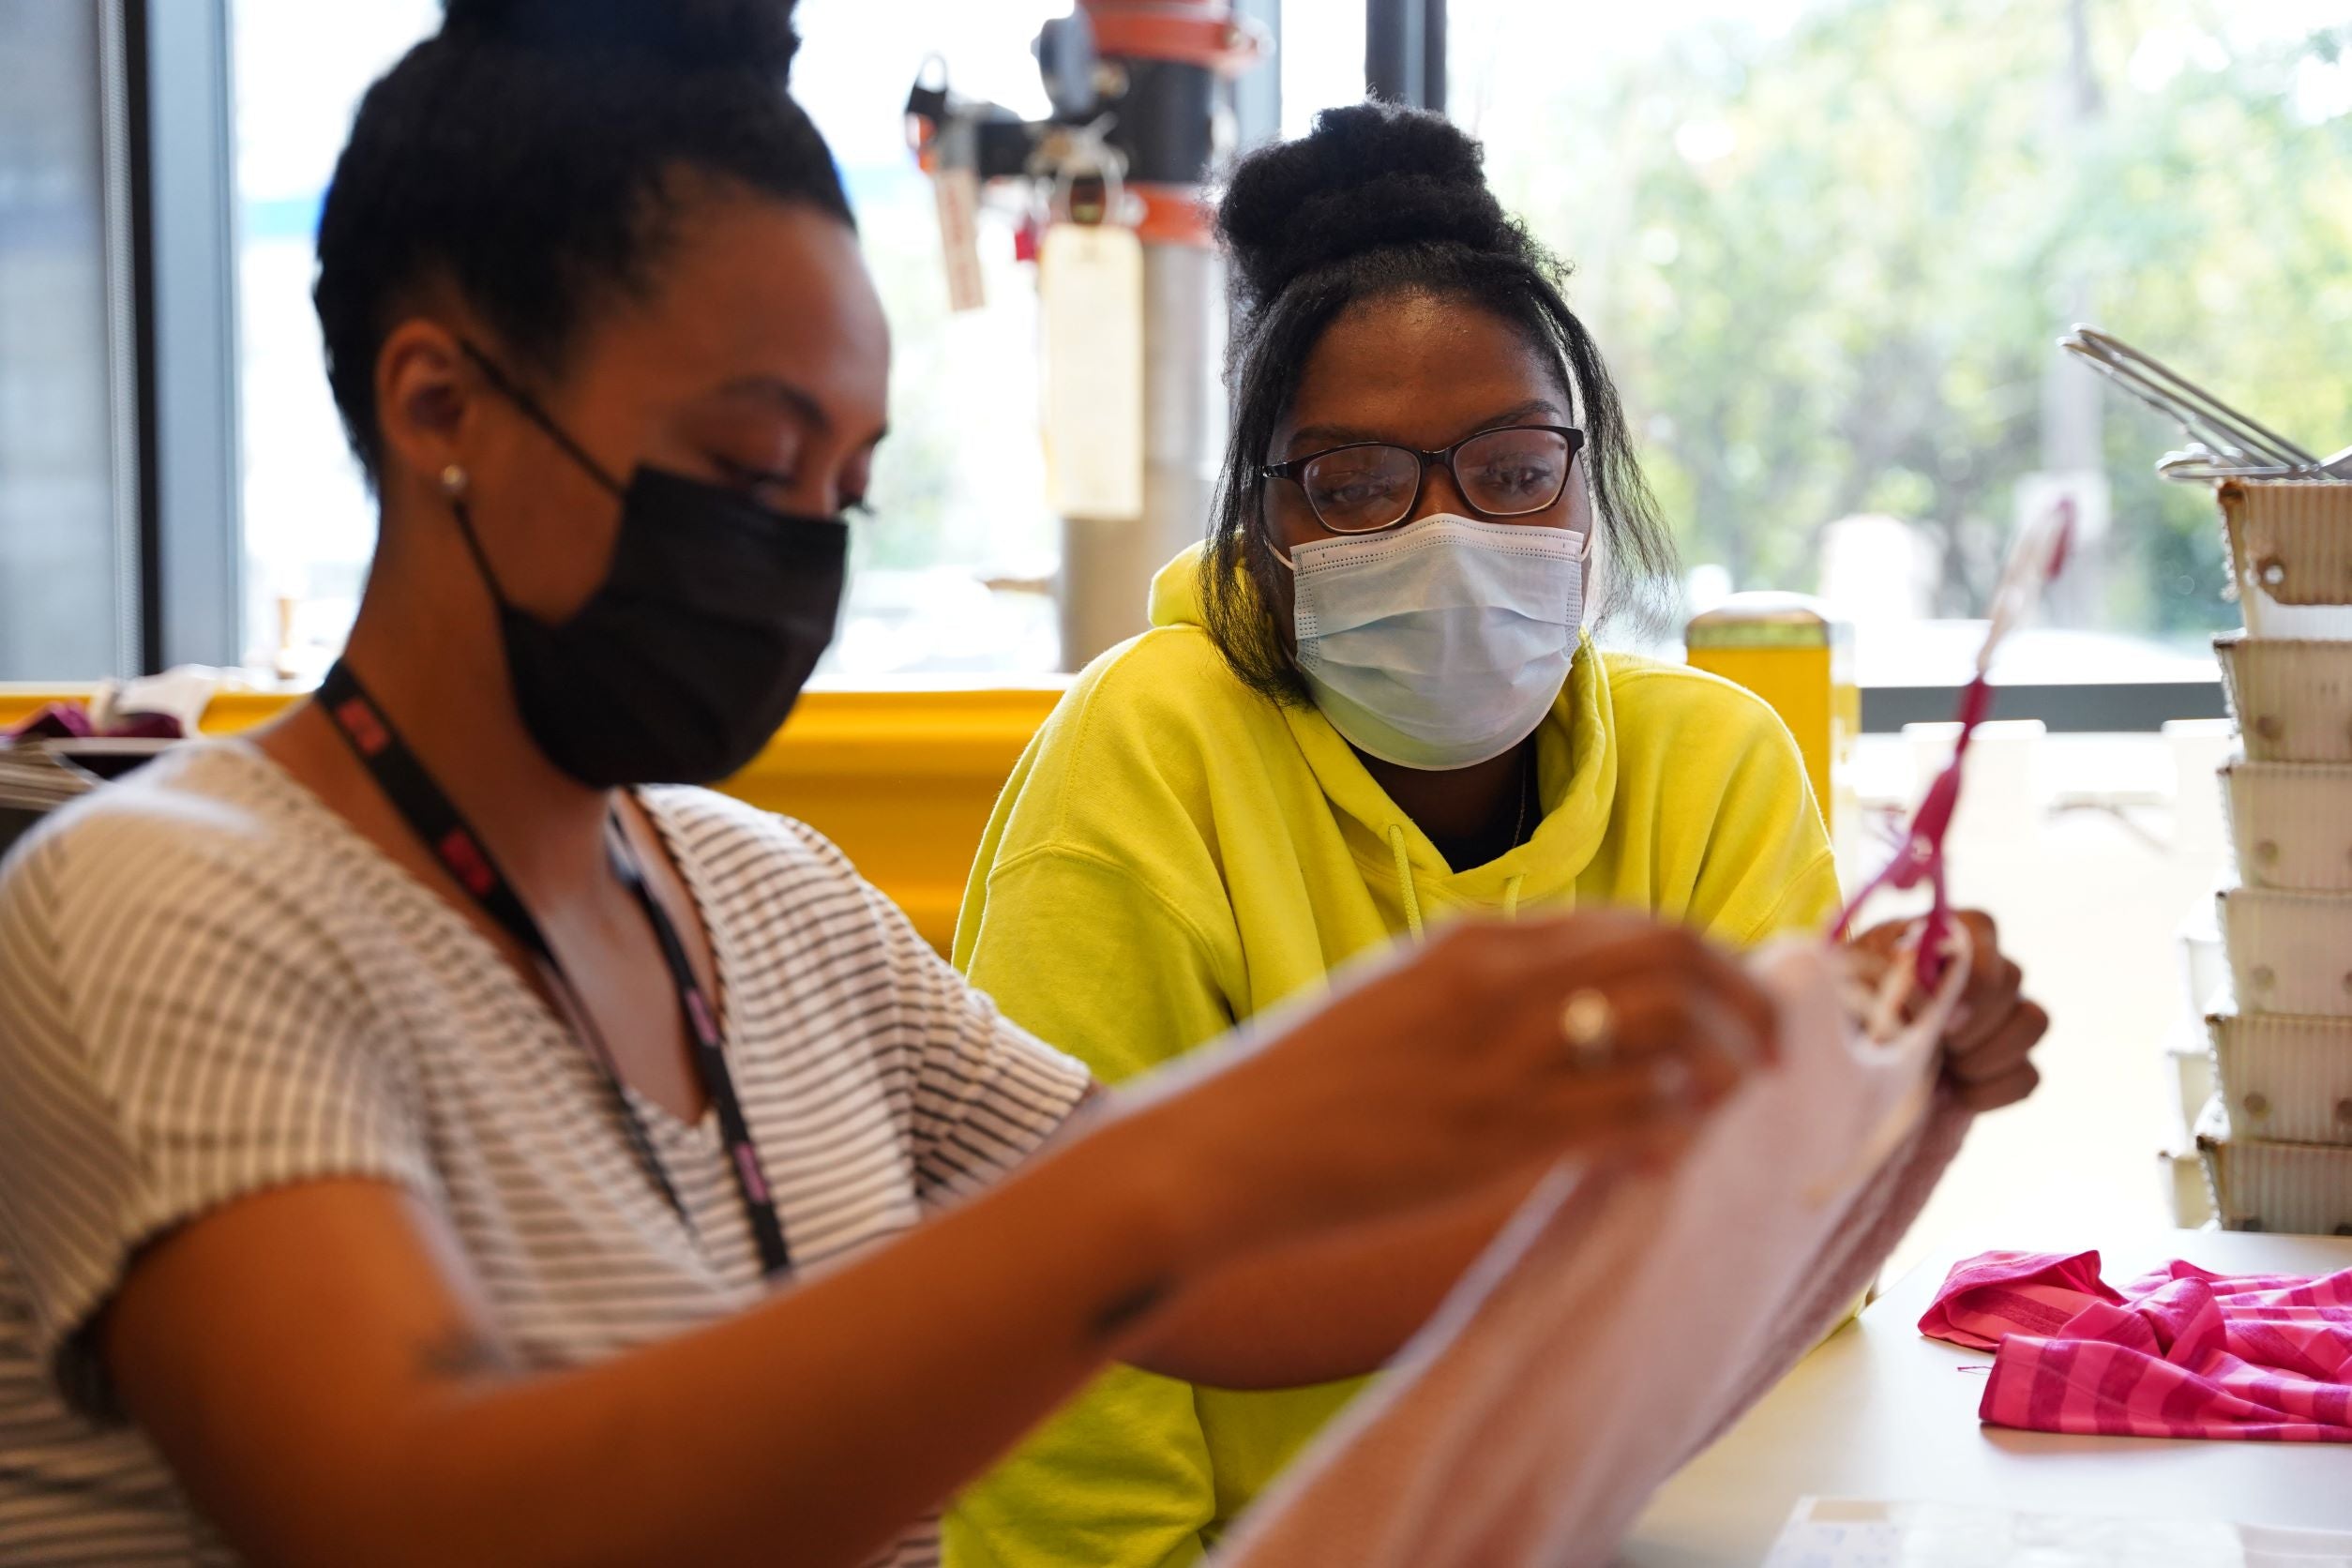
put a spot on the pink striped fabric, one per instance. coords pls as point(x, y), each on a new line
point(2182, 1354)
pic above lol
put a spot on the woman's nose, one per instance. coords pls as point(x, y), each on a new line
point(1439, 493)
point(817, 496)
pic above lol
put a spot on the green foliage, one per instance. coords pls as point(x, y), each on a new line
point(1828, 266)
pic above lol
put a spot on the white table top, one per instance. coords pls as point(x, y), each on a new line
point(1880, 1413)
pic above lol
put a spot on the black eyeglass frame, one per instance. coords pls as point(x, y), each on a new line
point(1294, 468)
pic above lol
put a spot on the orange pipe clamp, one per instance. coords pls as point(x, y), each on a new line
point(1204, 33)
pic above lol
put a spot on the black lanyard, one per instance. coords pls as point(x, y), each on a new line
point(435, 820)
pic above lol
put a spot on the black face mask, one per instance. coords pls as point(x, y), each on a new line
point(690, 654)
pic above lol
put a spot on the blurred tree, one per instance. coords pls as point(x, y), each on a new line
point(1828, 264)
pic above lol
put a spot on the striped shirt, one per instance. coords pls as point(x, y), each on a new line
point(210, 984)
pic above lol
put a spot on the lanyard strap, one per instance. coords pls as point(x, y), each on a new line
point(435, 820)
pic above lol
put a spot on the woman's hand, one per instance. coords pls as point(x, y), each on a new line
point(1489, 1050)
point(1989, 1042)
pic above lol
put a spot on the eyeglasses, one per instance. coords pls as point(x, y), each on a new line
point(1366, 485)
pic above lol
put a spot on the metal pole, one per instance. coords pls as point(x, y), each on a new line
point(126, 174)
point(1107, 566)
point(2072, 402)
point(1394, 51)
point(1164, 121)
point(1433, 58)
point(197, 596)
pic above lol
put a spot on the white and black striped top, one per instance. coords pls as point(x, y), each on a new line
point(210, 984)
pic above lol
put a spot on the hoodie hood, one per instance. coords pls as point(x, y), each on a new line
point(1576, 762)
point(1176, 590)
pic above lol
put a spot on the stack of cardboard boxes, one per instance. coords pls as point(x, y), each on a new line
point(2276, 1140)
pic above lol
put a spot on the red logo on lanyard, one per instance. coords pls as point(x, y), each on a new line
point(359, 721)
point(467, 863)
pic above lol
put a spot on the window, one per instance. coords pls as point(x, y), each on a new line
point(1320, 59)
point(310, 523)
point(1827, 245)
point(68, 531)
point(960, 490)
point(950, 575)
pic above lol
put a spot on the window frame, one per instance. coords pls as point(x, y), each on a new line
point(184, 455)
point(179, 311)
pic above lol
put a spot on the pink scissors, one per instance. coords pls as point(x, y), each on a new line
point(2035, 561)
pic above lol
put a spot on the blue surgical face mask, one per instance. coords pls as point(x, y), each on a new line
point(1443, 643)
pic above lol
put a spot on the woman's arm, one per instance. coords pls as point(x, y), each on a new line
point(315, 1365)
point(1332, 1307)
point(1338, 1308)
point(1342, 1305)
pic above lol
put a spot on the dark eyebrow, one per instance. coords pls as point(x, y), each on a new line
point(771, 390)
point(1312, 438)
point(799, 404)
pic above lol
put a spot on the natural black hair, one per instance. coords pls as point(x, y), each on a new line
point(1382, 201)
point(535, 154)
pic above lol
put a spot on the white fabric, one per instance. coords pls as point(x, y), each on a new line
point(1620, 1320)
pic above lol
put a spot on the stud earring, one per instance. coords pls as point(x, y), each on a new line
point(453, 481)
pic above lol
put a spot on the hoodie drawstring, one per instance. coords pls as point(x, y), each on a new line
point(1411, 896)
point(1405, 880)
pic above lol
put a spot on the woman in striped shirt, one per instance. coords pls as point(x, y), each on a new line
point(428, 1135)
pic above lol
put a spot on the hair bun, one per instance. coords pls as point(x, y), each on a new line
point(754, 35)
point(1368, 176)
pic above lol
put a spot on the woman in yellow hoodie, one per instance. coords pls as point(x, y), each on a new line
point(1367, 707)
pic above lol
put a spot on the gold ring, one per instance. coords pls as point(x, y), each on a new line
point(1588, 1021)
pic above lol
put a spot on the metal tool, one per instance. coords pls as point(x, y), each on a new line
point(1144, 109)
point(2225, 443)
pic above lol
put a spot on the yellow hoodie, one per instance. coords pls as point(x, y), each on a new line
point(1175, 853)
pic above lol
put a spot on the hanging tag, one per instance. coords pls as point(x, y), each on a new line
point(1091, 281)
point(956, 188)
point(958, 194)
